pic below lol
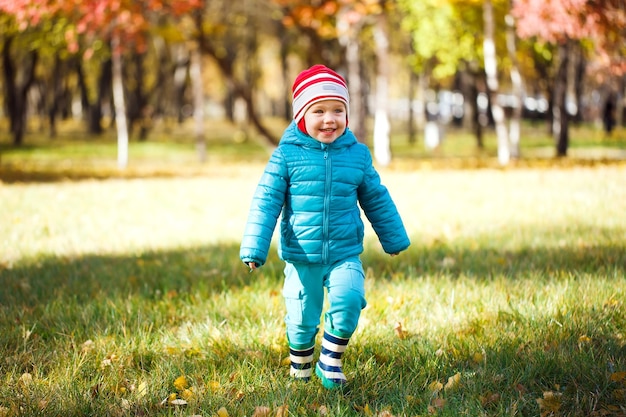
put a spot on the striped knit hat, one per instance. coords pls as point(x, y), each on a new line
point(315, 84)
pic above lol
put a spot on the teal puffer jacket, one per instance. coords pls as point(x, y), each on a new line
point(317, 187)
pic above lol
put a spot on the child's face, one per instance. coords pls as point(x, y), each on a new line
point(326, 120)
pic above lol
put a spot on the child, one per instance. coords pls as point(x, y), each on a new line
point(315, 178)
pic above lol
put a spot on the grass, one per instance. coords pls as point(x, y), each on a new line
point(122, 291)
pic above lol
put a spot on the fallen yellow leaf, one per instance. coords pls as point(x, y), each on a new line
point(435, 386)
point(282, 411)
point(187, 393)
point(181, 383)
point(453, 382)
point(400, 332)
point(261, 411)
point(142, 389)
point(26, 379)
point(222, 412)
point(87, 346)
point(618, 377)
point(550, 403)
point(214, 385)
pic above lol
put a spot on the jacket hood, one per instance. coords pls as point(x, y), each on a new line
point(295, 136)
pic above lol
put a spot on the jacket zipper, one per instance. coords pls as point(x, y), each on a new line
point(326, 215)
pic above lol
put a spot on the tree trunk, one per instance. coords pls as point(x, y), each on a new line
point(137, 98)
point(476, 87)
point(181, 65)
point(16, 94)
point(195, 72)
point(239, 89)
point(93, 110)
point(619, 107)
point(559, 109)
point(411, 128)
point(518, 89)
point(120, 106)
point(54, 94)
point(577, 74)
point(382, 149)
point(489, 51)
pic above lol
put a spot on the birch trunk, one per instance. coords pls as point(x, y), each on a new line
point(518, 89)
point(489, 51)
point(118, 102)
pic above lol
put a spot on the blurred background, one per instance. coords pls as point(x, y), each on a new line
point(500, 73)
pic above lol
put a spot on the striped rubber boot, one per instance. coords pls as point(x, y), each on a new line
point(328, 368)
point(301, 363)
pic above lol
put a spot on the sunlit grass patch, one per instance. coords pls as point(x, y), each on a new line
point(127, 297)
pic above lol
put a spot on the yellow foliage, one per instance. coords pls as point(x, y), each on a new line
point(181, 383)
point(222, 412)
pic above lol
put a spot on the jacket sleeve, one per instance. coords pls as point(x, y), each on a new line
point(381, 211)
point(265, 208)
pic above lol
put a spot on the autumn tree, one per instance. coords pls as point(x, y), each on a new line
point(92, 28)
point(564, 24)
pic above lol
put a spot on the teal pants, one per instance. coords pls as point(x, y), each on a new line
point(304, 290)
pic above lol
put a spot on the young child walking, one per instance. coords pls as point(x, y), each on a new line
point(317, 178)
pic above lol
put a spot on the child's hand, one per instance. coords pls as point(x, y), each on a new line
point(252, 266)
point(394, 254)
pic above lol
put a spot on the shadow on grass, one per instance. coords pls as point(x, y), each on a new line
point(166, 280)
point(77, 170)
point(209, 269)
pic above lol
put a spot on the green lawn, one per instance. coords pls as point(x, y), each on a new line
point(122, 293)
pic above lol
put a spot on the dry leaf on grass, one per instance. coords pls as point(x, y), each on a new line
point(550, 404)
point(435, 405)
point(400, 332)
point(261, 411)
point(435, 387)
point(453, 382)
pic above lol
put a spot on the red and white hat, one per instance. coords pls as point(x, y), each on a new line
point(315, 84)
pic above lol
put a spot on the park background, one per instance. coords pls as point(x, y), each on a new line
point(132, 135)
